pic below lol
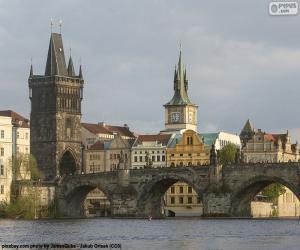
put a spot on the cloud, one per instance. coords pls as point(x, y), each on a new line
point(241, 62)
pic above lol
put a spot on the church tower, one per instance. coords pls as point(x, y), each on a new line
point(180, 112)
point(55, 118)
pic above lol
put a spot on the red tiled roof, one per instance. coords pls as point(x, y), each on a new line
point(95, 128)
point(16, 118)
point(162, 138)
point(108, 129)
point(99, 145)
point(269, 137)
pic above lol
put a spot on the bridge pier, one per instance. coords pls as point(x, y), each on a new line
point(123, 199)
point(216, 204)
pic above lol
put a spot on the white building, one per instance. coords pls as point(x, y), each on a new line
point(14, 139)
point(150, 150)
point(221, 139)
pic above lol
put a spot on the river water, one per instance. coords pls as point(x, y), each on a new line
point(167, 234)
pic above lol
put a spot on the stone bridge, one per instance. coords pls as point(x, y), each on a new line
point(224, 191)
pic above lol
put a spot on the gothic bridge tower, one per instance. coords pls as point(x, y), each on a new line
point(180, 112)
point(55, 119)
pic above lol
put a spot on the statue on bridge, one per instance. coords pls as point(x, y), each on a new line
point(213, 155)
point(238, 156)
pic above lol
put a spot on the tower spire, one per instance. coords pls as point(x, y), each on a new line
point(56, 64)
point(31, 68)
point(71, 70)
point(180, 83)
point(80, 72)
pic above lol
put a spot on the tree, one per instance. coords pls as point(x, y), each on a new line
point(273, 191)
point(227, 154)
point(25, 197)
point(24, 167)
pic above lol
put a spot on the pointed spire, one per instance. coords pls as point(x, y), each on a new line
point(175, 78)
point(56, 64)
point(80, 72)
point(180, 65)
point(180, 84)
point(71, 70)
point(185, 80)
point(31, 71)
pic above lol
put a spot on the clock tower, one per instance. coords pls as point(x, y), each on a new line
point(180, 112)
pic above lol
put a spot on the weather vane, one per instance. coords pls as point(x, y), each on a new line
point(52, 24)
point(60, 24)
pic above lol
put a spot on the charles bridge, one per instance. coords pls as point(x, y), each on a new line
point(224, 191)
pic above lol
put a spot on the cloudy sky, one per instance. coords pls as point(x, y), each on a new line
point(241, 62)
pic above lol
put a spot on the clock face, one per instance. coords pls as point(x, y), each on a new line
point(175, 117)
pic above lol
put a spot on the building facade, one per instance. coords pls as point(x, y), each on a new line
point(221, 139)
point(14, 141)
point(56, 103)
point(187, 149)
point(266, 147)
point(150, 151)
point(108, 155)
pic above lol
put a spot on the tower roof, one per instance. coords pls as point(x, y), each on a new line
point(248, 127)
point(180, 85)
point(56, 64)
point(71, 70)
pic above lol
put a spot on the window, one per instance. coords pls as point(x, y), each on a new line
point(181, 200)
point(190, 154)
point(172, 190)
point(181, 155)
point(163, 158)
point(153, 158)
point(198, 200)
point(2, 189)
point(190, 199)
point(1, 170)
point(172, 154)
point(2, 152)
point(18, 135)
point(190, 190)
point(172, 200)
point(2, 134)
point(141, 158)
point(189, 140)
point(135, 159)
point(158, 158)
point(181, 189)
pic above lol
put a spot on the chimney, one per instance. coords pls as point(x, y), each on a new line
point(102, 124)
point(126, 126)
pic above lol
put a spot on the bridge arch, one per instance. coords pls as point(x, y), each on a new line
point(73, 201)
point(242, 197)
point(149, 201)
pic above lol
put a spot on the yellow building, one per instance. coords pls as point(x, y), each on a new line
point(185, 149)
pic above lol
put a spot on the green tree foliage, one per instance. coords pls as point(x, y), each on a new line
point(227, 154)
point(273, 191)
point(25, 167)
point(25, 198)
